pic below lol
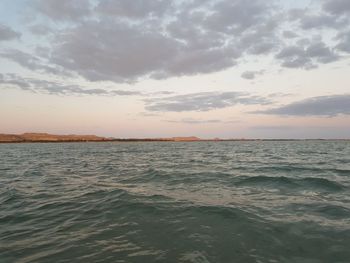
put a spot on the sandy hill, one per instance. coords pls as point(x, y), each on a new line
point(45, 137)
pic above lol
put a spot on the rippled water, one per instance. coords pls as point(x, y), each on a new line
point(175, 202)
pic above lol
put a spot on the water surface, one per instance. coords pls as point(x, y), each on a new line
point(175, 202)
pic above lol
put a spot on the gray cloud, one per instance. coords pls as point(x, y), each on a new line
point(306, 57)
point(237, 16)
point(6, 33)
point(317, 21)
point(133, 9)
point(309, 19)
point(40, 29)
point(289, 34)
point(194, 121)
point(95, 51)
point(251, 74)
point(317, 106)
point(204, 101)
point(56, 88)
point(344, 44)
point(13, 80)
point(148, 114)
point(63, 9)
point(294, 57)
point(126, 41)
point(32, 62)
point(321, 53)
point(279, 95)
point(337, 7)
point(130, 40)
point(261, 39)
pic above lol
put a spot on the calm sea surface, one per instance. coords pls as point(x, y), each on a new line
point(175, 202)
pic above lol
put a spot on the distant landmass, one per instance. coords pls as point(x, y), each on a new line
point(46, 137)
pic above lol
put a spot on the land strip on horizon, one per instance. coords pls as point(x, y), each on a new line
point(46, 138)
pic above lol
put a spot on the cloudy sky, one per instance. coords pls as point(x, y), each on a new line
point(151, 68)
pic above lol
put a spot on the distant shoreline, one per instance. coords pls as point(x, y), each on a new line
point(49, 138)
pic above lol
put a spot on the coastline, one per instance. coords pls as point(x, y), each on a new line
point(50, 138)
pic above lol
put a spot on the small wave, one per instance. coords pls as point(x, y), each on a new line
point(335, 211)
point(322, 184)
point(329, 211)
point(309, 183)
point(267, 181)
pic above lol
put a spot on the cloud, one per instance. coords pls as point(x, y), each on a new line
point(317, 106)
point(312, 19)
point(237, 16)
point(148, 114)
point(289, 34)
point(127, 41)
point(6, 33)
point(39, 29)
point(337, 7)
point(318, 21)
point(56, 88)
point(13, 80)
point(113, 51)
point(32, 62)
point(294, 57)
point(321, 53)
point(279, 95)
point(193, 121)
point(251, 74)
point(204, 101)
point(299, 56)
point(201, 121)
point(344, 43)
point(63, 9)
point(267, 127)
point(124, 41)
point(133, 9)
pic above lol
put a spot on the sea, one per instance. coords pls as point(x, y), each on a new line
point(200, 202)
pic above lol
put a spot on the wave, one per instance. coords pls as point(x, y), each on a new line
point(330, 211)
point(308, 183)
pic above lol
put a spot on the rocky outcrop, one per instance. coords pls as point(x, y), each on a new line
point(10, 138)
point(45, 137)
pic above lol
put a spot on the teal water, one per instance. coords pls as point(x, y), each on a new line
point(175, 202)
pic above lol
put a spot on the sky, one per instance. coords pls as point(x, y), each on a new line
point(164, 68)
